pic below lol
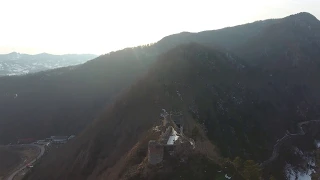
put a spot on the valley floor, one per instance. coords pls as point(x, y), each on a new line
point(24, 154)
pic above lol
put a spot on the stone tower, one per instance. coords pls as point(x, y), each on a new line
point(155, 152)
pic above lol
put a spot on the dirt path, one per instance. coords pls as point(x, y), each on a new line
point(286, 137)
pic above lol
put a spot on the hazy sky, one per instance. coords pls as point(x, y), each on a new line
point(100, 26)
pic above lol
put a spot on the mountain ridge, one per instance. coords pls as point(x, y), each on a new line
point(222, 106)
point(224, 81)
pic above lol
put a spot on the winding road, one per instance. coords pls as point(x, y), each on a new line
point(42, 150)
point(287, 136)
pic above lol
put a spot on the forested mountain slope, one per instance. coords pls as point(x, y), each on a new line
point(63, 101)
point(52, 99)
point(241, 109)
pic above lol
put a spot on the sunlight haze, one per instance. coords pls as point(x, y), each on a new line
point(98, 27)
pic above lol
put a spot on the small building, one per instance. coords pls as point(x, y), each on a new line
point(59, 139)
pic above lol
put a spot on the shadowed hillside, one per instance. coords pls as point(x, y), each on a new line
point(102, 144)
point(237, 106)
point(64, 100)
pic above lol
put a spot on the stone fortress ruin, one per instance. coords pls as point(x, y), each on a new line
point(170, 139)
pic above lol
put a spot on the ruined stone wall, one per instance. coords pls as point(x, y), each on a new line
point(165, 136)
point(155, 152)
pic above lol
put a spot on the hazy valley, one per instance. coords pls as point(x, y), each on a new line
point(19, 64)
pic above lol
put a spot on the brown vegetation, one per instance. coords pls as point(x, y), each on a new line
point(9, 159)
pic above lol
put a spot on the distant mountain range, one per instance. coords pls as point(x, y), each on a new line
point(239, 89)
point(18, 64)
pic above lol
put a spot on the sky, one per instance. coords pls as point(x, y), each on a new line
point(101, 26)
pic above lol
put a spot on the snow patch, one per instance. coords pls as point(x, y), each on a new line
point(173, 138)
point(317, 143)
point(228, 177)
point(297, 151)
point(156, 129)
point(178, 93)
point(293, 174)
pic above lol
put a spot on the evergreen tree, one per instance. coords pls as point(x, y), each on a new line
point(272, 178)
point(238, 163)
point(251, 170)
